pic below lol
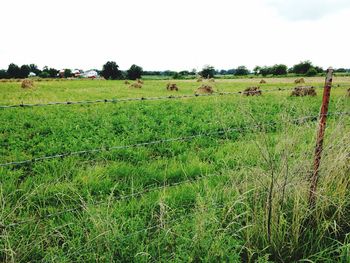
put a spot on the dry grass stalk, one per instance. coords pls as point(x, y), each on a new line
point(252, 91)
point(304, 91)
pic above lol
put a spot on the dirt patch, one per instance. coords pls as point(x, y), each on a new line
point(304, 91)
point(27, 84)
point(252, 91)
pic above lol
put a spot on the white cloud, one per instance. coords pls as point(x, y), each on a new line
point(159, 34)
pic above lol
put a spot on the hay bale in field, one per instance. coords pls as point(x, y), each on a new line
point(139, 81)
point(136, 85)
point(304, 91)
point(27, 84)
point(262, 81)
point(211, 80)
point(126, 82)
point(349, 92)
point(172, 87)
point(252, 91)
point(299, 81)
point(205, 89)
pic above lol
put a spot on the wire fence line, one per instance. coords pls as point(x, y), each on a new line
point(115, 100)
point(146, 190)
point(178, 139)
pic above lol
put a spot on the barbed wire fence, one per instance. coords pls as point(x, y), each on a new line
point(142, 144)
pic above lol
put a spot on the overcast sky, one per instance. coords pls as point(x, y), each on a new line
point(176, 35)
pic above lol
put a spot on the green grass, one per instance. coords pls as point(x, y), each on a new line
point(204, 199)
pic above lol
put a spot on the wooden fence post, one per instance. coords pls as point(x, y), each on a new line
point(320, 137)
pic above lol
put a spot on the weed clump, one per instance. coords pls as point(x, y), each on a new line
point(252, 91)
point(262, 81)
point(205, 89)
point(304, 91)
point(172, 87)
point(27, 84)
point(299, 81)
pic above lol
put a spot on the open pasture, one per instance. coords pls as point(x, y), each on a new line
point(232, 186)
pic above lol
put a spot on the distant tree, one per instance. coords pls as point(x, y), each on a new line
point(311, 72)
point(223, 72)
point(231, 71)
point(264, 71)
point(111, 70)
point(3, 74)
point(34, 68)
point(67, 73)
point(241, 71)
point(302, 67)
point(256, 70)
point(319, 69)
point(13, 71)
point(53, 72)
point(44, 74)
point(24, 71)
point(135, 72)
point(279, 69)
point(340, 70)
point(208, 72)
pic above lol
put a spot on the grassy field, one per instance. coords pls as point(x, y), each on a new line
point(238, 194)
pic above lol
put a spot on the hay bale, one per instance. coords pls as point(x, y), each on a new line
point(172, 87)
point(205, 89)
point(139, 81)
point(136, 85)
point(126, 82)
point(252, 91)
point(211, 80)
point(299, 81)
point(27, 84)
point(304, 91)
point(262, 81)
point(349, 92)
point(200, 79)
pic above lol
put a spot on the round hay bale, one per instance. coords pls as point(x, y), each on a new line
point(304, 91)
point(136, 85)
point(172, 87)
point(262, 81)
point(27, 84)
point(205, 89)
point(299, 81)
point(252, 91)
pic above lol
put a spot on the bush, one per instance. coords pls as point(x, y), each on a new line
point(242, 71)
point(311, 72)
point(208, 72)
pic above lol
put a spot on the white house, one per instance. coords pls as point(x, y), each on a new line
point(92, 74)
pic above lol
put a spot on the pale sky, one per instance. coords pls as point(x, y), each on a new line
point(175, 35)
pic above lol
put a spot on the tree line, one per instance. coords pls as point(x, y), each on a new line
point(110, 70)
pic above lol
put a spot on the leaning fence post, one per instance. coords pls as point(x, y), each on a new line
point(320, 136)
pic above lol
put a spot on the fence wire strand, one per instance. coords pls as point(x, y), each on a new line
point(142, 144)
point(115, 100)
